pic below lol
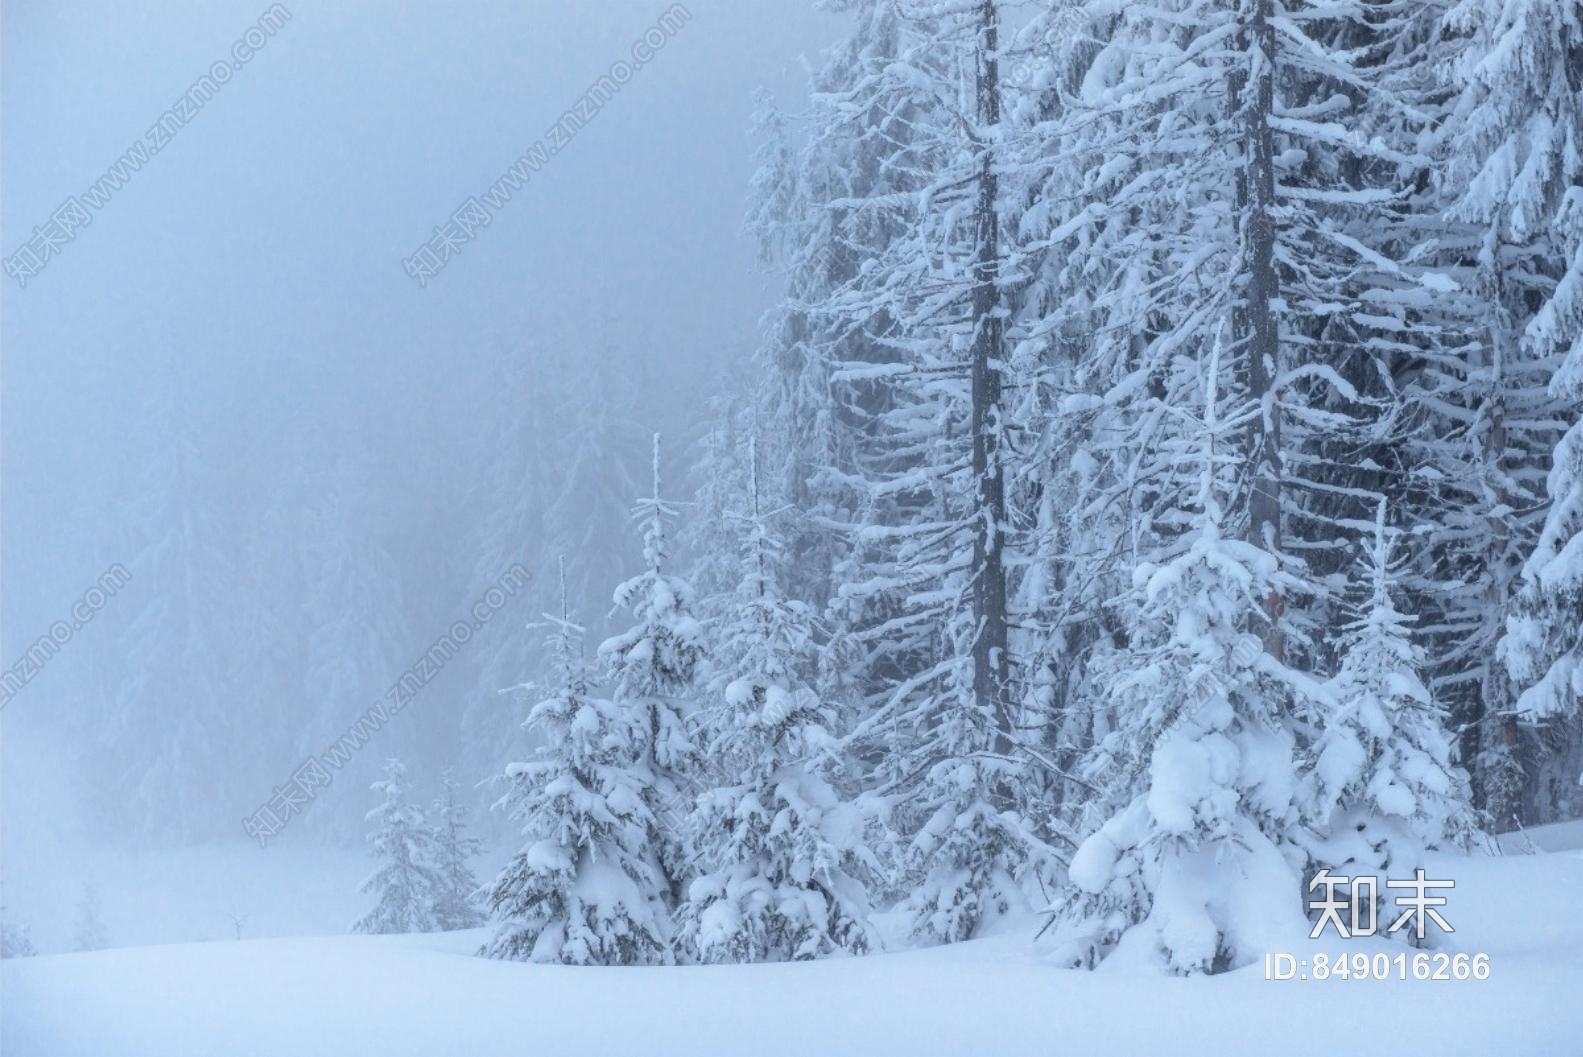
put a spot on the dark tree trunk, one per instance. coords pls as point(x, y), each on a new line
point(989, 574)
point(1255, 328)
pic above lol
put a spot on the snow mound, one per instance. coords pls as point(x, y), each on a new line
point(426, 995)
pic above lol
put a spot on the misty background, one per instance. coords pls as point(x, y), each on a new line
point(309, 466)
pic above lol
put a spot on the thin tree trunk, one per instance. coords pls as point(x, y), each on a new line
point(1259, 334)
point(1493, 733)
point(989, 574)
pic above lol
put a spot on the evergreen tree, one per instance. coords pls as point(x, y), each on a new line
point(921, 593)
point(406, 883)
point(1196, 869)
point(523, 443)
point(350, 609)
point(824, 366)
point(586, 888)
point(454, 852)
point(653, 665)
point(1383, 774)
point(90, 933)
point(180, 678)
point(1496, 86)
point(708, 540)
point(781, 860)
point(597, 461)
point(1544, 644)
point(1519, 137)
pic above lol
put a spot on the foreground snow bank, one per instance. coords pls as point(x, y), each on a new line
point(1558, 836)
point(392, 996)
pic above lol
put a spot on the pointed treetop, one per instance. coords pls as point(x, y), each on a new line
point(565, 633)
point(1206, 486)
point(560, 565)
point(761, 548)
point(1382, 556)
point(654, 511)
point(753, 467)
point(395, 775)
point(1383, 563)
point(565, 641)
point(656, 492)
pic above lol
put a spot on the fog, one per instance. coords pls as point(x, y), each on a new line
point(1003, 506)
point(308, 464)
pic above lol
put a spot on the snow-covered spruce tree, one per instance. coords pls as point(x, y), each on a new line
point(1196, 167)
point(707, 542)
point(89, 933)
point(923, 584)
point(825, 214)
point(517, 462)
point(1384, 783)
point(599, 460)
point(1543, 648)
point(1077, 489)
point(352, 610)
point(653, 666)
point(884, 421)
point(782, 867)
point(1197, 870)
point(586, 888)
point(454, 851)
point(1518, 120)
point(183, 656)
point(561, 456)
point(406, 883)
point(1501, 155)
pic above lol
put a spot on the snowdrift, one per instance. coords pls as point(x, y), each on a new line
point(429, 994)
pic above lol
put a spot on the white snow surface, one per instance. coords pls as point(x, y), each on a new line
point(429, 994)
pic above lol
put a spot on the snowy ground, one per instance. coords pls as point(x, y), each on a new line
point(1559, 837)
point(391, 996)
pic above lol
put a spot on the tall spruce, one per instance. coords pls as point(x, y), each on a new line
point(1384, 778)
point(406, 884)
point(653, 666)
point(783, 870)
point(454, 851)
point(586, 887)
point(89, 932)
point(1203, 744)
point(1515, 141)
